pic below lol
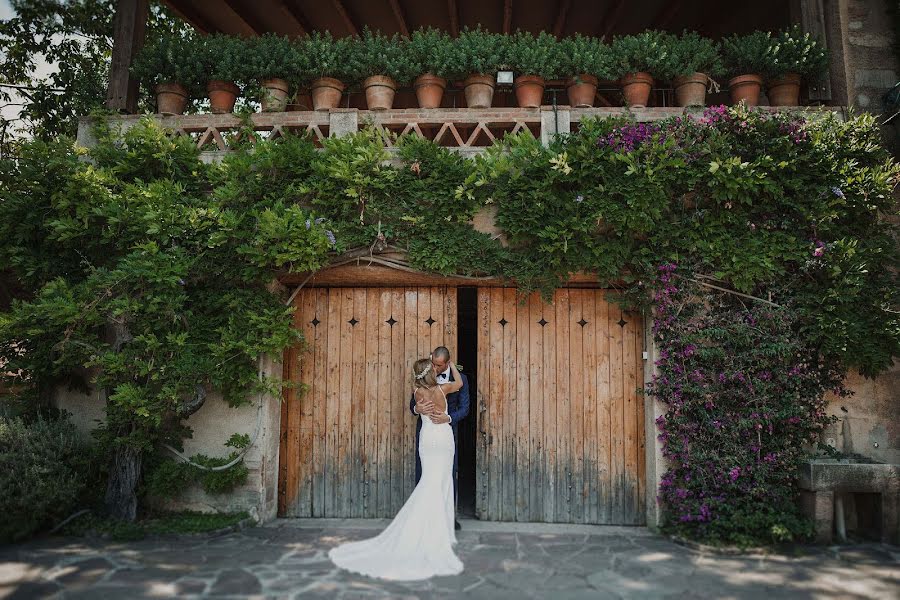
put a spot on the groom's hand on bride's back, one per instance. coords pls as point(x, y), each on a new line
point(424, 407)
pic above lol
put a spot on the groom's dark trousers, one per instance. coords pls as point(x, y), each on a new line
point(458, 408)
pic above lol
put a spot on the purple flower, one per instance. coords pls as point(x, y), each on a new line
point(181, 282)
point(308, 224)
point(734, 474)
point(331, 238)
point(579, 198)
point(837, 192)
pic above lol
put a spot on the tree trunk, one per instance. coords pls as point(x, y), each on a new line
point(124, 472)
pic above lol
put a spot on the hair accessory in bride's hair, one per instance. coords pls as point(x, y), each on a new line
point(423, 373)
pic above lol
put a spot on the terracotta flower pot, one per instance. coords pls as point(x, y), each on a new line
point(785, 90)
point(171, 98)
point(745, 88)
point(274, 95)
point(690, 90)
point(582, 90)
point(326, 93)
point(222, 95)
point(479, 91)
point(636, 89)
point(299, 102)
point(380, 92)
point(529, 90)
point(429, 90)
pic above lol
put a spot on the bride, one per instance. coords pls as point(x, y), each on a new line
point(418, 543)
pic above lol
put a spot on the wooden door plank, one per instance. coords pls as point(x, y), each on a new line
point(523, 457)
point(384, 405)
point(451, 325)
point(396, 399)
point(356, 374)
point(640, 517)
point(604, 433)
point(630, 417)
point(345, 369)
point(589, 387)
point(332, 403)
point(318, 391)
point(374, 371)
point(550, 401)
point(482, 460)
point(507, 451)
point(617, 418)
point(411, 354)
point(494, 402)
point(305, 406)
point(576, 415)
point(436, 329)
point(564, 456)
point(536, 401)
point(283, 456)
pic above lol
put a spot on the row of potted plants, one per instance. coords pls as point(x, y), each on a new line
point(278, 71)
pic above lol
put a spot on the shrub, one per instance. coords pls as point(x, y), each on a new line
point(432, 51)
point(43, 467)
point(223, 57)
point(169, 59)
point(529, 54)
point(480, 52)
point(374, 53)
point(327, 56)
point(269, 56)
point(798, 52)
point(649, 51)
point(693, 53)
point(580, 54)
point(753, 53)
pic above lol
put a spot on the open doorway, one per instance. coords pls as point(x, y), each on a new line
point(467, 356)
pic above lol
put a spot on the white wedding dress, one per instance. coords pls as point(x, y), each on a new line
point(418, 543)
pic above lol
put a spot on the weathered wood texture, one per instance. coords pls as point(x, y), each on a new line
point(561, 436)
point(347, 439)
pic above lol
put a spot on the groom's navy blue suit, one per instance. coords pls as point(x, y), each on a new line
point(458, 408)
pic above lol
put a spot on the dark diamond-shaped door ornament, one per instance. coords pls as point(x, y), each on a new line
point(430, 321)
point(315, 322)
point(391, 321)
point(353, 322)
point(622, 322)
point(582, 322)
point(503, 322)
point(542, 322)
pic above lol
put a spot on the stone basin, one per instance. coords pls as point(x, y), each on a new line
point(821, 479)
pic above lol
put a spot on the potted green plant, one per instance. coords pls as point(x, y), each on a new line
point(695, 60)
point(221, 58)
point(330, 64)
point(798, 56)
point(272, 60)
point(584, 60)
point(480, 56)
point(381, 64)
point(433, 58)
point(639, 59)
point(747, 59)
point(534, 59)
point(167, 65)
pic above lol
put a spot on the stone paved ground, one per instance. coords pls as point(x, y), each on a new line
point(287, 559)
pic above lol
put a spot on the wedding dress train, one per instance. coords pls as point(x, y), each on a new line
point(418, 543)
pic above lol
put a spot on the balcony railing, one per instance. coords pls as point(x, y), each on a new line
point(468, 131)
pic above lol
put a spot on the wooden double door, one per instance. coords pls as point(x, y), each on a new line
point(559, 422)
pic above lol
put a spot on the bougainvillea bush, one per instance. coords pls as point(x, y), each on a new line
point(744, 399)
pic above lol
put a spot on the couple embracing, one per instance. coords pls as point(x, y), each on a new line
point(418, 543)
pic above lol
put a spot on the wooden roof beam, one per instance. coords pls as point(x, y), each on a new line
point(246, 16)
point(453, 12)
point(668, 12)
point(561, 17)
point(401, 19)
point(345, 16)
point(507, 16)
point(188, 13)
point(296, 13)
point(611, 18)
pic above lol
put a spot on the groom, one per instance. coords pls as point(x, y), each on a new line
point(457, 407)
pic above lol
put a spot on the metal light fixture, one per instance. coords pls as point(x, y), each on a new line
point(504, 77)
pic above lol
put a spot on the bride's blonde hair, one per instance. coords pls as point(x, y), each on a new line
point(423, 373)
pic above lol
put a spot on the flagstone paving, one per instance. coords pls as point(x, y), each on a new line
point(288, 559)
